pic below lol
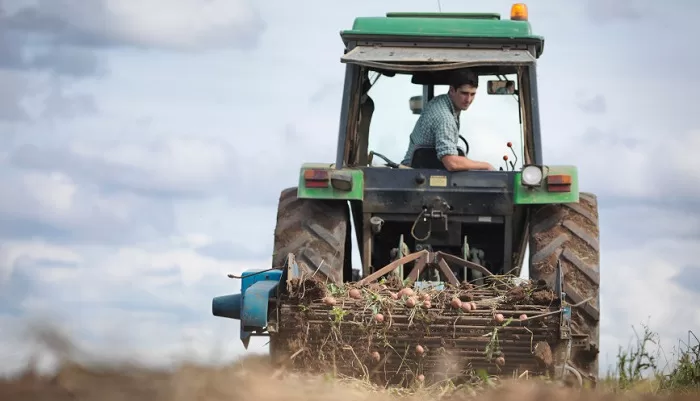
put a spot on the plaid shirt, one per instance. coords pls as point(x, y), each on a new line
point(437, 126)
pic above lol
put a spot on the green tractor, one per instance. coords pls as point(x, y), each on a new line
point(437, 293)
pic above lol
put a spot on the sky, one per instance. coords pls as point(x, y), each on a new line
point(143, 149)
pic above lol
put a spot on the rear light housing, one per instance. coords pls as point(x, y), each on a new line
point(319, 178)
point(559, 183)
point(316, 178)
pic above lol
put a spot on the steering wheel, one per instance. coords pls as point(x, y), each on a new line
point(389, 163)
point(466, 145)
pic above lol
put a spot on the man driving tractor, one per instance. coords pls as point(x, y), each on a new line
point(438, 125)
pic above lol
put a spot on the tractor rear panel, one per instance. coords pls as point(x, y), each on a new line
point(408, 191)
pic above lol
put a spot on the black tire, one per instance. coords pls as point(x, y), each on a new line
point(570, 233)
point(317, 232)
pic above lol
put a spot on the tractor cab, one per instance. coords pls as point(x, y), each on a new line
point(391, 58)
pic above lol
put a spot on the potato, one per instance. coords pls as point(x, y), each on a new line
point(456, 303)
point(427, 304)
point(379, 317)
point(421, 378)
point(419, 349)
point(499, 318)
point(375, 355)
point(523, 317)
point(330, 301)
point(467, 306)
point(355, 293)
point(500, 361)
point(411, 302)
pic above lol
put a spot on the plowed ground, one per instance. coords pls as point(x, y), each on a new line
point(252, 379)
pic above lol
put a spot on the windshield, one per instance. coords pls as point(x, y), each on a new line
point(488, 125)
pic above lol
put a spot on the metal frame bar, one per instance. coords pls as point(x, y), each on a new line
point(406, 57)
point(422, 259)
point(534, 114)
point(352, 77)
point(366, 244)
point(508, 244)
point(447, 45)
point(536, 43)
point(428, 93)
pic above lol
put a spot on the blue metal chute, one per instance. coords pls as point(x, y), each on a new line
point(227, 306)
point(251, 306)
point(256, 300)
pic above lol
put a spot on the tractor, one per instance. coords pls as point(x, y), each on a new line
point(464, 235)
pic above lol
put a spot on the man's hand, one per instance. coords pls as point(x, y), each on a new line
point(486, 166)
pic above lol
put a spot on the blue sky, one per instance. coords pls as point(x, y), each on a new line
point(143, 148)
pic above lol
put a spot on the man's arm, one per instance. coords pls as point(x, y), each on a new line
point(459, 163)
point(446, 147)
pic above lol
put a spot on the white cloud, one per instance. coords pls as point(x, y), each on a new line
point(683, 163)
point(180, 164)
point(55, 201)
point(185, 25)
point(14, 87)
point(192, 240)
point(37, 251)
point(133, 262)
point(55, 191)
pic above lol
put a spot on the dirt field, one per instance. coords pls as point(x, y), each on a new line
point(252, 380)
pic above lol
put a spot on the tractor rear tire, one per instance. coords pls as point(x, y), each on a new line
point(317, 232)
point(570, 233)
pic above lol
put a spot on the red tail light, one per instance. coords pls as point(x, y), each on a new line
point(559, 183)
point(316, 178)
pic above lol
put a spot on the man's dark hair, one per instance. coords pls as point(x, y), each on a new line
point(463, 77)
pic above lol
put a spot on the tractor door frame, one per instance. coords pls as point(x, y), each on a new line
point(348, 139)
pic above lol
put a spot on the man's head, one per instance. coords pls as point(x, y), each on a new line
point(463, 85)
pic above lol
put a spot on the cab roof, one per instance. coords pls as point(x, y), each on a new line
point(447, 27)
